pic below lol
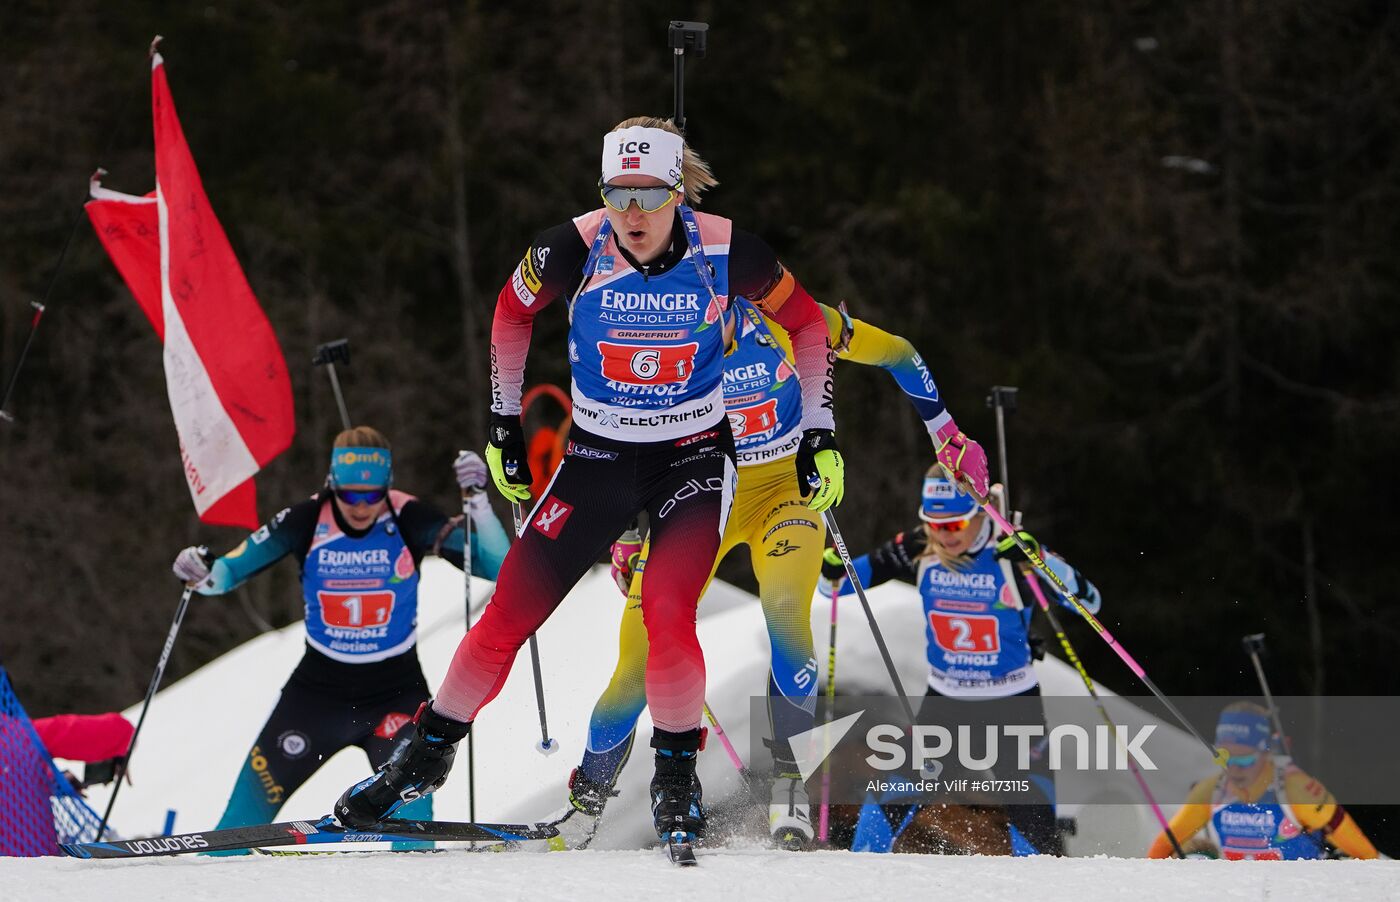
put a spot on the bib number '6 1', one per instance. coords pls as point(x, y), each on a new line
point(658, 365)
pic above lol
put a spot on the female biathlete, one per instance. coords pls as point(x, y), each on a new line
point(647, 283)
point(785, 540)
point(1262, 806)
point(358, 544)
point(975, 623)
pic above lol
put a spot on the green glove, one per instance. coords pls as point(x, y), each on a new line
point(505, 455)
point(832, 566)
point(1008, 550)
point(820, 470)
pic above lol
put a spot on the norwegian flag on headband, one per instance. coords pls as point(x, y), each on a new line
point(631, 162)
point(224, 372)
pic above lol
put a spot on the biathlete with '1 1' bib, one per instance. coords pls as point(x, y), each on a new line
point(785, 539)
point(646, 283)
point(359, 544)
point(977, 628)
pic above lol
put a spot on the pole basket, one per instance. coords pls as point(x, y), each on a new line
point(40, 807)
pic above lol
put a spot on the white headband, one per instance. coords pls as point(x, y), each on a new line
point(643, 151)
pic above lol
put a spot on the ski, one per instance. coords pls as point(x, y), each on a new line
point(680, 848)
point(306, 833)
point(298, 853)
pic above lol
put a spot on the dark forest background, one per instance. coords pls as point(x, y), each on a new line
point(1171, 225)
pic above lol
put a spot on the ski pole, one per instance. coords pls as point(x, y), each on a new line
point(467, 587)
point(1003, 401)
point(1034, 582)
point(728, 746)
point(326, 355)
point(1218, 755)
point(1254, 647)
point(825, 811)
point(546, 745)
point(125, 764)
point(869, 614)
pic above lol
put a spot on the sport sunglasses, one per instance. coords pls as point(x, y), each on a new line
point(648, 199)
point(357, 496)
point(949, 525)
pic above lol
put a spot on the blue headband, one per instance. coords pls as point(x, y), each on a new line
point(1243, 728)
point(945, 501)
point(361, 466)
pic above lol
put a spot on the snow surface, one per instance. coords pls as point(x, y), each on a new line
point(199, 730)
point(722, 874)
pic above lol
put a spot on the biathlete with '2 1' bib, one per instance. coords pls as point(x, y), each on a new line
point(646, 282)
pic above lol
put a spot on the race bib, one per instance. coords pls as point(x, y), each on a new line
point(755, 419)
point(641, 365)
point(364, 610)
point(965, 633)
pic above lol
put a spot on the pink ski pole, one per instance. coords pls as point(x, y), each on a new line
point(728, 746)
point(1034, 582)
point(1219, 755)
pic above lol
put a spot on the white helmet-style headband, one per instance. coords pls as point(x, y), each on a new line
point(639, 150)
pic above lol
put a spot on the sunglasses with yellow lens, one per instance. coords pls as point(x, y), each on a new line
point(648, 199)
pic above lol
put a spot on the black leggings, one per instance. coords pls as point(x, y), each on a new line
point(1036, 822)
point(686, 487)
point(308, 726)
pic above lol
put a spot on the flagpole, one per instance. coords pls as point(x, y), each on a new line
point(41, 306)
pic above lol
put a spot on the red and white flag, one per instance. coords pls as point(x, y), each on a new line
point(224, 371)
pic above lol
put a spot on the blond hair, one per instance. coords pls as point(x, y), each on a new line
point(696, 177)
point(361, 437)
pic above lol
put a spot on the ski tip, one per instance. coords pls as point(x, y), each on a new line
point(74, 850)
point(680, 848)
point(792, 841)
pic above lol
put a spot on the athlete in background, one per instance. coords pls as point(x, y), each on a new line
point(358, 544)
point(785, 540)
point(1262, 807)
point(976, 625)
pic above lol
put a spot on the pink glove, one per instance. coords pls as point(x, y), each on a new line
point(626, 552)
point(963, 459)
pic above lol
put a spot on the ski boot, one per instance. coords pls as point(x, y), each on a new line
point(578, 822)
point(789, 809)
point(418, 766)
point(676, 807)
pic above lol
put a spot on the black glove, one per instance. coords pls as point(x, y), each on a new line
point(832, 567)
point(1037, 645)
point(506, 457)
point(1007, 550)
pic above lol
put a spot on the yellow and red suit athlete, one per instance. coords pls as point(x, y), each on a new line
point(1272, 814)
point(785, 537)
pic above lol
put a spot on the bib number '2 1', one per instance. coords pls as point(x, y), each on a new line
point(641, 365)
point(966, 633)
